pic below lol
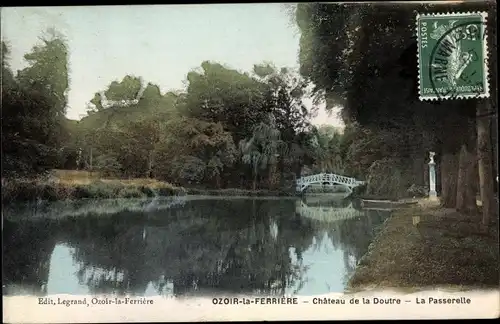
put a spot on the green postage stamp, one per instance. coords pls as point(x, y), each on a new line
point(452, 56)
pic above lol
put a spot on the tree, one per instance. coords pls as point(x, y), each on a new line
point(27, 133)
point(133, 113)
point(221, 95)
point(205, 148)
point(285, 93)
point(485, 164)
point(48, 70)
point(7, 75)
point(328, 155)
point(33, 107)
point(261, 151)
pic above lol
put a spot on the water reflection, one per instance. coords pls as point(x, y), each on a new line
point(202, 246)
point(342, 229)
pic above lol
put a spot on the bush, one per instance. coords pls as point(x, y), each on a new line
point(384, 179)
point(18, 191)
point(417, 191)
point(130, 192)
point(108, 165)
point(98, 189)
point(48, 192)
point(359, 190)
point(33, 190)
point(147, 191)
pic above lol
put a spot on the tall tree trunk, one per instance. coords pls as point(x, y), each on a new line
point(243, 176)
point(270, 176)
point(449, 169)
point(466, 198)
point(494, 146)
point(254, 183)
point(461, 179)
point(298, 170)
point(217, 181)
point(438, 178)
point(90, 164)
point(484, 162)
point(149, 172)
point(472, 178)
point(281, 170)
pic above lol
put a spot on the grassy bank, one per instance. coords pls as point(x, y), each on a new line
point(442, 249)
point(72, 185)
point(32, 190)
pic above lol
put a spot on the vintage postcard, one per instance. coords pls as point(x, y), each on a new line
point(255, 162)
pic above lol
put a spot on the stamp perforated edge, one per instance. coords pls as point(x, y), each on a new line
point(486, 76)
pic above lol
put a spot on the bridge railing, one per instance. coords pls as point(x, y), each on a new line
point(327, 177)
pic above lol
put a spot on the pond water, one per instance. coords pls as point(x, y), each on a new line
point(190, 246)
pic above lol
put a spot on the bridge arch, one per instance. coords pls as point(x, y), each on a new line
point(328, 214)
point(328, 178)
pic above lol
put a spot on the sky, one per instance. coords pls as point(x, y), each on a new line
point(160, 43)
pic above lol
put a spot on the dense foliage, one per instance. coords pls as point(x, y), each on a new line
point(227, 129)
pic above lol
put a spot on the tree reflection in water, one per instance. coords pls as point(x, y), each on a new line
point(27, 247)
point(204, 247)
point(352, 235)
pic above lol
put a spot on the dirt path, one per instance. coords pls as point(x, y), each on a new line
point(444, 249)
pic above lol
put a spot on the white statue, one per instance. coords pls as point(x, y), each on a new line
point(432, 177)
point(431, 155)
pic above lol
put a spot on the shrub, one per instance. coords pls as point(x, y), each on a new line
point(359, 190)
point(147, 191)
point(417, 191)
point(130, 192)
point(98, 189)
point(108, 165)
point(384, 179)
point(47, 192)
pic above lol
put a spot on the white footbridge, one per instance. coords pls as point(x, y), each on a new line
point(328, 179)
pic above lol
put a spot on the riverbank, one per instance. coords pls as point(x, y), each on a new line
point(57, 190)
point(425, 247)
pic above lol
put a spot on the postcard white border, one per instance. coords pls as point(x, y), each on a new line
point(484, 304)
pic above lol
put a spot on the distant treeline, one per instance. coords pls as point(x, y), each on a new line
point(228, 129)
